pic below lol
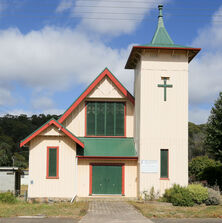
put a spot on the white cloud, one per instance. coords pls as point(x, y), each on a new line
point(198, 115)
point(54, 111)
point(108, 17)
point(52, 60)
point(5, 97)
point(29, 113)
point(55, 59)
point(43, 103)
point(17, 112)
point(205, 80)
point(64, 5)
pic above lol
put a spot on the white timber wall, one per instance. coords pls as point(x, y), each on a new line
point(130, 176)
point(162, 124)
point(63, 187)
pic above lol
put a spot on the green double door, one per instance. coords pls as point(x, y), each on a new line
point(106, 179)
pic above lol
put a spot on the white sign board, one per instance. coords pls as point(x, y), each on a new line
point(149, 166)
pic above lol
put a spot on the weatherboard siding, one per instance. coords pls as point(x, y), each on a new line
point(52, 131)
point(130, 176)
point(129, 119)
point(75, 122)
point(63, 187)
point(106, 89)
point(166, 126)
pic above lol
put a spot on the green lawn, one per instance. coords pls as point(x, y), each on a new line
point(159, 210)
point(73, 210)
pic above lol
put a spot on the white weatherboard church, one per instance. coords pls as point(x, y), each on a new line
point(109, 142)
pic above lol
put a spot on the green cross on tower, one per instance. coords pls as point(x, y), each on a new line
point(165, 86)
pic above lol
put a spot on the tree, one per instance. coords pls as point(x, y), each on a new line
point(214, 130)
point(197, 135)
point(19, 161)
point(198, 165)
point(13, 129)
point(5, 154)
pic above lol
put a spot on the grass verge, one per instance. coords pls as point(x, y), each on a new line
point(72, 210)
point(159, 210)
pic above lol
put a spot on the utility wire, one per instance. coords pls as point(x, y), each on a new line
point(136, 13)
point(78, 15)
point(112, 19)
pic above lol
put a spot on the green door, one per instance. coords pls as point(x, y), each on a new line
point(107, 179)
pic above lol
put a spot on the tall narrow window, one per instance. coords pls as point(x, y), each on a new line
point(164, 163)
point(105, 119)
point(52, 162)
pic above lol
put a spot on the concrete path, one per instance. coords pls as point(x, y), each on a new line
point(188, 220)
point(38, 220)
point(113, 212)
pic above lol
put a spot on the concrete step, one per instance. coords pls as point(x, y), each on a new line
point(106, 198)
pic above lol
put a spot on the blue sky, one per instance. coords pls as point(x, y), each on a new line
point(50, 50)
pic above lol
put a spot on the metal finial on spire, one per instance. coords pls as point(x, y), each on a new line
point(160, 7)
point(161, 37)
point(160, 17)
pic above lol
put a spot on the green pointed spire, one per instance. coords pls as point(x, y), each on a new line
point(161, 36)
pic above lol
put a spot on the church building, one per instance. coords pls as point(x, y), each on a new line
point(109, 142)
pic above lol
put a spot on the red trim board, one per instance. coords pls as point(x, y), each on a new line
point(85, 118)
point(47, 165)
point(104, 136)
point(104, 73)
point(123, 179)
point(45, 126)
point(167, 48)
point(109, 157)
point(107, 164)
point(125, 119)
point(90, 179)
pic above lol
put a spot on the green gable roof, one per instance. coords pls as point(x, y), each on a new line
point(111, 147)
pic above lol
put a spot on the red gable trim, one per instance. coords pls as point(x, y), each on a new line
point(106, 72)
point(45, 126)
point(167, 48)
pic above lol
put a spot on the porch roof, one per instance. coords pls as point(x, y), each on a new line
point(107, 147)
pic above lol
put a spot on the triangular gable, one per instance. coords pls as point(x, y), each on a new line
point(106, 89)
point(45, 126)
point(104, 73)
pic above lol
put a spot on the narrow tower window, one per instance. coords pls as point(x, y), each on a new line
point(164, 163)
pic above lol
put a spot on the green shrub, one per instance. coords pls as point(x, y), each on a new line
point(178, 196)
point(198, 165)
point(7, 197)
point(214, 197)
point(151, 196)
point(198, 192)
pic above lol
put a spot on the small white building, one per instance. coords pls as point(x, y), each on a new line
point(109, 142)
point(10, 178)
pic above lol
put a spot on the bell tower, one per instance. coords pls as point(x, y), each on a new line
point(161, 110)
